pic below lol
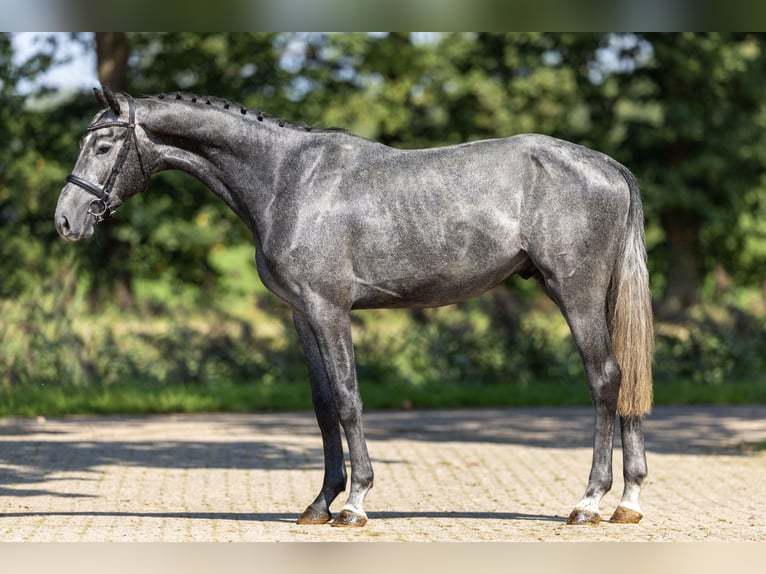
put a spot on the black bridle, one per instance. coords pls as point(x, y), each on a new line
point(103, 202)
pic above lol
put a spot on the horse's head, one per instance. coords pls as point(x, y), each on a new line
point(109, 168)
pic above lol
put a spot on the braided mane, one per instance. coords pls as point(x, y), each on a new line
point(233, 107)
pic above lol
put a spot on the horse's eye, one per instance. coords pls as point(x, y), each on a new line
point(103, 148)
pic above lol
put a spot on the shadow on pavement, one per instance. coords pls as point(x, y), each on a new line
point(289, 517)
point(36, 459)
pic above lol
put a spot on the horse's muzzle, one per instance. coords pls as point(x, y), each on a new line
point(74, 231)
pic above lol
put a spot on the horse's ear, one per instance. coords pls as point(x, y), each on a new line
point(100, 98)
point(112, 100)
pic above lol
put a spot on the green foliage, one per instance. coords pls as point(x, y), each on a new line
point(49, 337)
point(37, 337)
point(459, 346)
point(690, 121)
point(719, 345)
point(37, 151)
point(411, 91)
point(166, 296)
point(60, 358)
point(234, 355)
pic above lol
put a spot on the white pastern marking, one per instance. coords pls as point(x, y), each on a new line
point(631, 506)
point(356, 510)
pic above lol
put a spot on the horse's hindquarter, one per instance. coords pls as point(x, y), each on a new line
point(576, 204)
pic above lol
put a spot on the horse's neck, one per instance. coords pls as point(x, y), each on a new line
point(236, 158)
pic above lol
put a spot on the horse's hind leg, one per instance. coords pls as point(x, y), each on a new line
point(334, 482)
point(634, 470)
point(582, 303)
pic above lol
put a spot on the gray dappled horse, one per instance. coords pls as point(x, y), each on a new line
point(341, 222)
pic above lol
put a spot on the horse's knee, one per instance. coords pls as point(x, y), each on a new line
point(327, 419)
point(348, 406)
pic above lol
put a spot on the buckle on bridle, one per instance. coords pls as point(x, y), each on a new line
point(102, 212)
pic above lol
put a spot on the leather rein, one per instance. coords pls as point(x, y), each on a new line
point(101, 207)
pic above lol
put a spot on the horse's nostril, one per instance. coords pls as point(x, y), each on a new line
point(63, 225)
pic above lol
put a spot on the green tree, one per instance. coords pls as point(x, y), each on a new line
point(691, 121)
point(35, 156)
point(683, 111)
point(425, 90)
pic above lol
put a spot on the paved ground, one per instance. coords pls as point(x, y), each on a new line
point(468, 475)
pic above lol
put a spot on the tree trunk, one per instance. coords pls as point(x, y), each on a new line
point(682, 227)
point(112, 278)
point(112, 55)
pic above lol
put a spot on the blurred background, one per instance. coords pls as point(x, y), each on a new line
point(162, 309)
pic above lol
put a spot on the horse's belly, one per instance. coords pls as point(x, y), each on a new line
point(425, 286)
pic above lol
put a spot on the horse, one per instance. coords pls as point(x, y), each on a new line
point(341, 222)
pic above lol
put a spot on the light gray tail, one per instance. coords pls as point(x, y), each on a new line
point(631, 325)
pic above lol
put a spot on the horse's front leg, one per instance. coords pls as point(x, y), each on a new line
point(330, 326)
point(334, 482)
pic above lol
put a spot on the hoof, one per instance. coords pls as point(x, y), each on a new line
point(349, 518)
point(624, 515)
point(581, 516)
point(313, 516)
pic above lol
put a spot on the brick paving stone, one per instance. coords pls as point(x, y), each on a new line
point(446, 475)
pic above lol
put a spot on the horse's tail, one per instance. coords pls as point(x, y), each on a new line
point(630, 312)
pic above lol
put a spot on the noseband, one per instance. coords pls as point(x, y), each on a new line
point(101, 207)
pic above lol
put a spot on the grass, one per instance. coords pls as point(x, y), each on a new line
point(756, 447)
point(142, 399)
point(50, 400)
point(730, 393)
